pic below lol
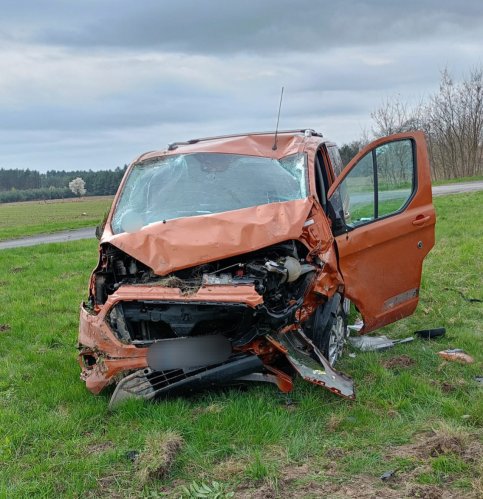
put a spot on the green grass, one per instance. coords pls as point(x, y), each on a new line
point(38, 217)
point(58, 440)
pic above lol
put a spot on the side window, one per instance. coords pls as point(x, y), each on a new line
point(379, 185)
point(357, 193)
point(395, 174)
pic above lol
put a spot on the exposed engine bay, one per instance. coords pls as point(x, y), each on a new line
point(277, 274)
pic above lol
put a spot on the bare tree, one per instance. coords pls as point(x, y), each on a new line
point(77, 186)
point(452, 119)
point(395, 116)
point(455, 126)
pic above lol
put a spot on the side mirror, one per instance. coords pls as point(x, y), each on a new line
point(101, 225)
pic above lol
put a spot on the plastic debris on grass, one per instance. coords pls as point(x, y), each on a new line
point(456, 355)
point(373, 343)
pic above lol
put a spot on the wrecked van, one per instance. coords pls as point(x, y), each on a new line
point(234, 259)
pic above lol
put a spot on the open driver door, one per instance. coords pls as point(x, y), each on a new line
point(383, 223)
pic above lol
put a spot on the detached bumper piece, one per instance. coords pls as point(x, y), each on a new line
point(307, 360)
point(149, 384)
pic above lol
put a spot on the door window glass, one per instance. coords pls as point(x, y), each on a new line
point(379, 185)
point(357, 195)
point(394, 176)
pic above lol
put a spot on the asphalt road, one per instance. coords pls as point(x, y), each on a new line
point(75, 235)
point(441, 190)
point(56, 237)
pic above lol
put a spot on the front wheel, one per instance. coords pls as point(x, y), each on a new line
point(329, 331)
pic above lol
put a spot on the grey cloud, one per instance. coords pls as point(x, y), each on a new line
point(220, 26)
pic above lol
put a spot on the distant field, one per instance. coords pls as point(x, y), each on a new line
point(457, 180)
point(415, 414)
point(37, 217)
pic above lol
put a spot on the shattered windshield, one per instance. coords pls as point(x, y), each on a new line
point(187, 185)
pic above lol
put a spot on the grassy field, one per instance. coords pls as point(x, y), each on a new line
point(38, 217)
point(414, 413)
point(457, 180)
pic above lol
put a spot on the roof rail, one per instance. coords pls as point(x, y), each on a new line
point(175, 145)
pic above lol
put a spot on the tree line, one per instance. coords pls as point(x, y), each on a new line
point(452, 119)
point(29, 185)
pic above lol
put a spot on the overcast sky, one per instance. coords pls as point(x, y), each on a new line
point(92, 84)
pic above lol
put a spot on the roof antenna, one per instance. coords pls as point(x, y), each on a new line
point(274, 147)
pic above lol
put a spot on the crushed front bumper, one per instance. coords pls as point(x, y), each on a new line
point(148, 372)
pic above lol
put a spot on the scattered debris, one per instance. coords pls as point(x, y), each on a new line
point(372, 343)
point(352, 355)
point(456, 355)
point(158, 456)
point(479, 379)
point(288, 403)
point(132, 455)
point(387, 475)
point(430, 334)
point(4, 328)
point(469, 300)
point(465, 416)
point(400, 361)
point(357, 326)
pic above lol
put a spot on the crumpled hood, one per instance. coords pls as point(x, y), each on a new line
point(185, 242)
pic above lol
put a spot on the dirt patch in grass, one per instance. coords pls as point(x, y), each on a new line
point(158, 456)
point(209, 409)
point(428, 492)
point(437, 443)
point(334, 421)
point(307, 481)
point(399, 362)
point(112, 486)
point(327, 484)
point(447, 387)
point(229, 468)
point(100, 447)
point(4, 328)
point(450, 387)
point(330, 484)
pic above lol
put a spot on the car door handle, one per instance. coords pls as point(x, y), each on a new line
point(421, 220)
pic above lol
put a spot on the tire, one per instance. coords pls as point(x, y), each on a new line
point(330, 337)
